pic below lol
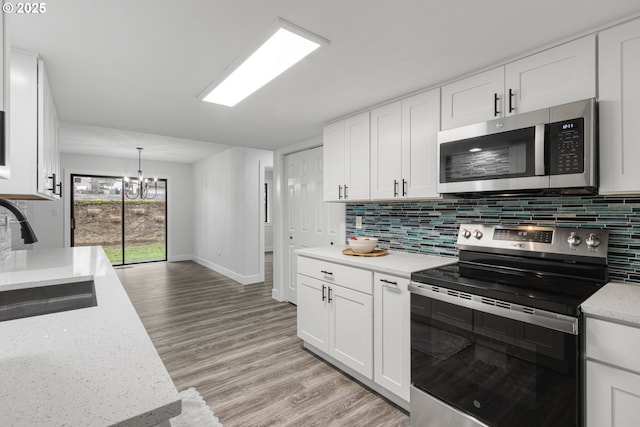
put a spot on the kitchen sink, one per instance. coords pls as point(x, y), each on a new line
point(35, 301)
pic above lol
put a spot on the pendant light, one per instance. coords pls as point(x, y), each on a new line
point(139, 187)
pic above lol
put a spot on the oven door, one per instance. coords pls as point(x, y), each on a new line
point(470, 360)
point(499, 155)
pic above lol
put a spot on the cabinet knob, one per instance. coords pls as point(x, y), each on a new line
point(592, 241)
point(573, 239)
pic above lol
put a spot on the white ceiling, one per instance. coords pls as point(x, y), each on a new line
point(140, 65)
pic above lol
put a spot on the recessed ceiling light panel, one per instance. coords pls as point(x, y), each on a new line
point(286, 44)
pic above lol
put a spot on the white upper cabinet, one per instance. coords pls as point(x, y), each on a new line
point(420, 126)
point(386, 151)
point(346, 159)
point(33, 133)
point(619, 109)
point(404, 147)
point(472, 100)
point(334, 161)
point(555, 76)
point(49, 179)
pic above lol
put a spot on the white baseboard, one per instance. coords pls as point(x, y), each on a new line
point(243, 280)
point(178, 258)
point(276, 295)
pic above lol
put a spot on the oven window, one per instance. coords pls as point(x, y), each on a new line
point(504, 155)
point(500, 371)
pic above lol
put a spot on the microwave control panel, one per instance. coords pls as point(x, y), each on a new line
point(565, 146)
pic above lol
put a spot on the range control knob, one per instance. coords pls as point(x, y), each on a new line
point(592, 241)
point(466, 233)
point(477, 234)
point(573, 239)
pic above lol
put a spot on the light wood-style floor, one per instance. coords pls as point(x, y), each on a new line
point(238, 347)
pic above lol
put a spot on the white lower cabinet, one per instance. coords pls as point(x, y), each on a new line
point(336, 318)
point(612, 374)
point(351, 328)
point(613, 396)
point(392, 355)
point(313, 312)
point(359, 319)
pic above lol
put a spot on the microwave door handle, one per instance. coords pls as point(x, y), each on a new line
point(539, 150)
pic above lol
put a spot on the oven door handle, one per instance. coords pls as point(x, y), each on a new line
point(542, 318)
point(539, 147)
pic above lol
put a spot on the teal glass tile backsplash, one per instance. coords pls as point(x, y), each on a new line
point(431, 227)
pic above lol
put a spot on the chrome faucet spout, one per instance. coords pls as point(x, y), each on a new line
point(28, 236)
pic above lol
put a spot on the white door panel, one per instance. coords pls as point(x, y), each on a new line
point(310, 221)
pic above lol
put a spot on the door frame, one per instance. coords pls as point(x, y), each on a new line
point(67, 195)
point(123, 198)
point(280, 235)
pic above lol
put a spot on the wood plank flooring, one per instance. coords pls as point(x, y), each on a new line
point(238, 347)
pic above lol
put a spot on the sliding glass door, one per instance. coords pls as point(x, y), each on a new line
point(130, 230)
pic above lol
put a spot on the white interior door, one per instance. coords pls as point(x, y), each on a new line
point(310, 222)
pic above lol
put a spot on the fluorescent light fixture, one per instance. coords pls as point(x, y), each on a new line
point(286, 45)
point(474, 150)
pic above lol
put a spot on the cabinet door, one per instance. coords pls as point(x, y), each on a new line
point(613, 396)
point(23, 126)
point(334, 162)
point(619, 108)
point(392, 354)
point(386, 151)
point(420, 126)
point(48, 147)
point(473, 99)
point(559, 75)
point(358, 162)
point(313, 309)
point(351, 329)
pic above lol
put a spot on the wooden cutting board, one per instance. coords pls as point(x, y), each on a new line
point(375, 252)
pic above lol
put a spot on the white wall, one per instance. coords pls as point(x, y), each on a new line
point(50, 219)
point(228, 213)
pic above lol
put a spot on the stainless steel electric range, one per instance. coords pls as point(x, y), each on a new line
point(495, 338)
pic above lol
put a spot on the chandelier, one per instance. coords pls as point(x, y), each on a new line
point(139, 187)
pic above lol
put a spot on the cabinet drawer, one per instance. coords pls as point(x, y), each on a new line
point(392, 282)
point(613, 343)
point(349, 277)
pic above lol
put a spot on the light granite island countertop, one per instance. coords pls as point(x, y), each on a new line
point(93, 366)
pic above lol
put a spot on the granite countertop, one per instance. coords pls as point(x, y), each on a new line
point(615, 301)
point(400, 264)
point(94, 366)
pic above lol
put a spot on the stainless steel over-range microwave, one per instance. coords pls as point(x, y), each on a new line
point(546, 150)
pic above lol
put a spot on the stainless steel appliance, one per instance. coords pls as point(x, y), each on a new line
point(544, 150)
point(495, 338)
